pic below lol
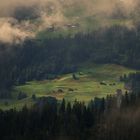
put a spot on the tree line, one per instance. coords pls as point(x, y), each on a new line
point(101, 119)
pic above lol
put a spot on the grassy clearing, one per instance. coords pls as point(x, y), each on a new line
point(88, 86)
point(84, 89)
point(15, 104)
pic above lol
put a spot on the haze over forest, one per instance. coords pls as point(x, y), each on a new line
point(19, 19)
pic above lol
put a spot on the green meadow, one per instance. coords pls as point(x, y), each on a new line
point(87, 86)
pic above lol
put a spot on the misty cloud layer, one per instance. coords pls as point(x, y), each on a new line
point(16, 15)
point(7, 8)
point(13, 32)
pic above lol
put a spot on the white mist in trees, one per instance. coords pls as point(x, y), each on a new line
point(12, 34)
point(7, 8)
point(41, 14)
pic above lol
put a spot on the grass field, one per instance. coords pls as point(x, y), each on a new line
point(84, 89)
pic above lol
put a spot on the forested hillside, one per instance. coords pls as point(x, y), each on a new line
point(70, 70)
point(40, 58)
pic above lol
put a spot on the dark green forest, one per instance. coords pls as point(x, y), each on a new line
point(101, 119)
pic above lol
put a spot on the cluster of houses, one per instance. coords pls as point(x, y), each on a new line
point(53, 28)
point(71, 26)
point(104, 83)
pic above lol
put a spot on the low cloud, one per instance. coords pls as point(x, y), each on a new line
point(21, 19)
point(11, 32)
